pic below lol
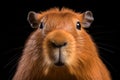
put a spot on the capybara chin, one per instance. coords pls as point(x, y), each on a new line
point(60, 48)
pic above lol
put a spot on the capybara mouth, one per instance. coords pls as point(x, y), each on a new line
point(59, 63)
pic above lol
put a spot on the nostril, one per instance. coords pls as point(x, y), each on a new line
point(65, 43)
point(59, 45)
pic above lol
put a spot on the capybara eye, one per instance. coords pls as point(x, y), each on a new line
point(41, 25)
point(78, 25)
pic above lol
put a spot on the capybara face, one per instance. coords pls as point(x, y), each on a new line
point(60, 48)
point(61, 38)
point(62, 34)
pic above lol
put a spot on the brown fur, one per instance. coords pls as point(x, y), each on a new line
point(81, 57)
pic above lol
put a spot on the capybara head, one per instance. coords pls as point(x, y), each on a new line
point(60, 48)
point(62, 33)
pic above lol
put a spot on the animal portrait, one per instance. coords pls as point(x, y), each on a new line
point(60, 48)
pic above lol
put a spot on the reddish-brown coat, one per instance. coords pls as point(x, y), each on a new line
point(82, 60)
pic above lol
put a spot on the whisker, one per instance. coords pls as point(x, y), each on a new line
point(13, 56)
point(108, 50)
point(114, 71)
point(106, 61)
point(103, 37)
point(108, 64)
point(102, 32)
point(106, 45)
point(13, 59)
point(12, 71)
point(11, 50)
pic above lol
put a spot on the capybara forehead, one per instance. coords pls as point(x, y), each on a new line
point(59, 20)
point(63, 14)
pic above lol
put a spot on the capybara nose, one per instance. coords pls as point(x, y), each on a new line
point(58, 45)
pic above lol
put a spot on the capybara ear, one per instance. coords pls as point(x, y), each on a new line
point(87, 19)
point(33, 19)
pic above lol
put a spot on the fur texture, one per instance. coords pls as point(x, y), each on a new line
point(79, 55)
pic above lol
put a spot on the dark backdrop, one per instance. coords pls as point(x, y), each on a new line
point(15, 29)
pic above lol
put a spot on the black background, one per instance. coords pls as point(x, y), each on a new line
point(15, 29)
